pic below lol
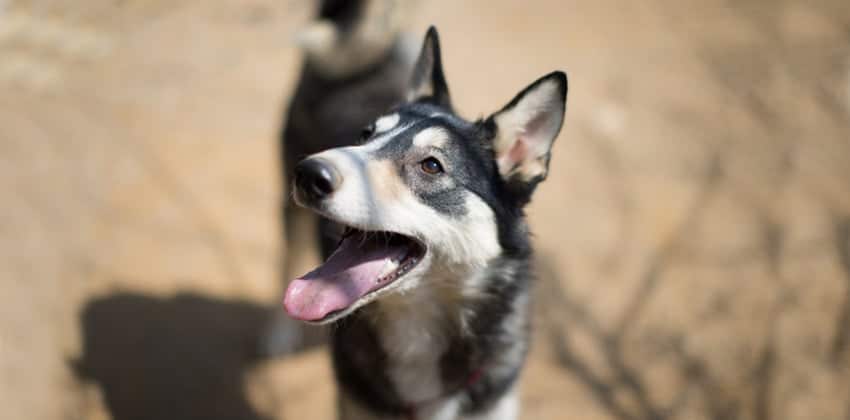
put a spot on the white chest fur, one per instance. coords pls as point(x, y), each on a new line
point(414, 340)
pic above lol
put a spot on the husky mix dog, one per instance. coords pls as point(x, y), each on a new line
point(357, 65)
point(428, 287)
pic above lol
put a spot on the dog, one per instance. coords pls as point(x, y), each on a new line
point(428, 288)
point(357, 63)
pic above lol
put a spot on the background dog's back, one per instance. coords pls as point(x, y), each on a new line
point(357, 63)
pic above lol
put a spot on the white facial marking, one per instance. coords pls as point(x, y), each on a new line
point(482, 231)
point(386, 123)
point(379, 139)
point(431, 137)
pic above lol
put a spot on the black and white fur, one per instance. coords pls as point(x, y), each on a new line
point(357, 61)
point(410, 348)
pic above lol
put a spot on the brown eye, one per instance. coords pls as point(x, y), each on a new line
point(431, 166)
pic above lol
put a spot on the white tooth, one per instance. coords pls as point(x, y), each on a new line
point(388, 268)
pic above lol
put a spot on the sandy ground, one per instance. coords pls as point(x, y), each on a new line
point(694, 232)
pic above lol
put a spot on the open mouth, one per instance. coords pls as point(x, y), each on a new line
point(363, 263)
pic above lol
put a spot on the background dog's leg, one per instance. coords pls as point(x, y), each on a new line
point(350, 410)
point(285, 335)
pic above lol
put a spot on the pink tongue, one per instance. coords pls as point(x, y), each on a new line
point(350, 273)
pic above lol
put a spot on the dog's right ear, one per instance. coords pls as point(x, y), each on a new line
point(428, 82)
point(524, 131)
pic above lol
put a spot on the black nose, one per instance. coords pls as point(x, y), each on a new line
point(316, 178)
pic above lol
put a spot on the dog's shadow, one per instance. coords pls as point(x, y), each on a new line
point(178, 358)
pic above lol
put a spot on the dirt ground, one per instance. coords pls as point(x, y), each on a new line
point(694, 232)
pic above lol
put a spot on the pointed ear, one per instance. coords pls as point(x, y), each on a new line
point(428, 81)
point(525, 130)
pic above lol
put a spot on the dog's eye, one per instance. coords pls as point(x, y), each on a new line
point(367, 132)
point(431, 166)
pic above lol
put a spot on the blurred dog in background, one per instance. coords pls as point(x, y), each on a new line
point(357, 62)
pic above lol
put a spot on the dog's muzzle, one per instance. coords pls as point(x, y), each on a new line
point(315, 180)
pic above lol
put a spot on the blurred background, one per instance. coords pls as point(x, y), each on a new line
point(694, 231)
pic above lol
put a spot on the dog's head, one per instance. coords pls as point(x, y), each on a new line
point(426, 192)
point(350, 36)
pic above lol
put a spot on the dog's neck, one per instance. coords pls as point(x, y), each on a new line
point(424, 344)
point(417, 327)
point(421, 319)
point(414, 341)
point(433, 305)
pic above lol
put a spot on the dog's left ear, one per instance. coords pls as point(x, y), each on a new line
point(428, 81)
point(525, 130)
